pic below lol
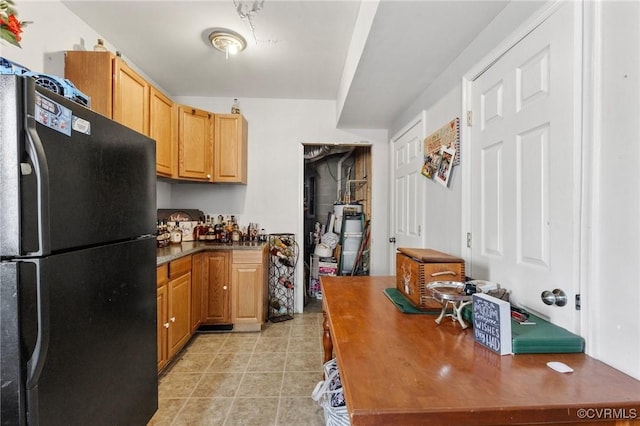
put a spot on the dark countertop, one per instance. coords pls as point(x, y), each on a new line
point(175, 251)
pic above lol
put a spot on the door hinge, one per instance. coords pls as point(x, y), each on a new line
point(419, 231)
point(578, 302)
point(469, 118)
point(468, 239)
point(392, 240)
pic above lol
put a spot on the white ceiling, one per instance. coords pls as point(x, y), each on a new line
point(299, 50)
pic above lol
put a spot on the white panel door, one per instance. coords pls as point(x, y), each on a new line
point(525, 156)
point(408, 187)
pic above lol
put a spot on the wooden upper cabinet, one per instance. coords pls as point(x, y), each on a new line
point(162, 128)
point(209, 148)
point(195, 144)
point(92, 74)
point(118, 92)
point(130, 98)
point(230, 148)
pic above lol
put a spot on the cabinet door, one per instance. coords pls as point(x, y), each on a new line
point(162, 322)
point(246, 284)
point(130, 98)
point(92, 74)
point(216, 293)
point(163, 326)
point(230, 149)
point(197, 277)
point(195, 144)
point(179, 312)
point(162, 128)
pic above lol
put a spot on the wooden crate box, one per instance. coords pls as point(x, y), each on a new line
point(416, 267)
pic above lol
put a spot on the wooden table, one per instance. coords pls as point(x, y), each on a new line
point(403, 369)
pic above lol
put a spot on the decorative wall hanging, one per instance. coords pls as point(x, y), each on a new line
point(444, 141)
point(446, 164)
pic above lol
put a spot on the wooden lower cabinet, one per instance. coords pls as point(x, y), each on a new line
point(216, 282)
point(218, 287)
point(174, 308)
point(249, 270)
point(163, 316)
point(179, 296)
point(233, 287)
point(197, 272)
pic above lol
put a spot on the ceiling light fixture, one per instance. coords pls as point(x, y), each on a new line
point(227, 41)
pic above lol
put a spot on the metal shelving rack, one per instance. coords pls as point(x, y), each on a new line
point(283, 251)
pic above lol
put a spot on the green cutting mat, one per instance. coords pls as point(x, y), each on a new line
point(543, 337)
point(538, 337)
point(404, 305)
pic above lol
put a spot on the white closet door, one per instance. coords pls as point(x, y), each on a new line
point(407, 208)
point(525, 156)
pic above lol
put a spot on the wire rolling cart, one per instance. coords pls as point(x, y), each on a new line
point(283, 251)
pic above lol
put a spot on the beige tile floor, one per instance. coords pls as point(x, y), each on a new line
point(251, 379)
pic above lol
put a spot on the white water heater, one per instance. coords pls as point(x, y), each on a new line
point(339, 210)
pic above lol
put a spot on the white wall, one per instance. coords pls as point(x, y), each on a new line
point(43, 43)
point(443, 205)
point(273, 195)
point(443, 102)
point(54, 30)
point(613, 268)
point(611, 245)
point(277, 130)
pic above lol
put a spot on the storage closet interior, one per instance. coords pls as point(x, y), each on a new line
point(337, 213)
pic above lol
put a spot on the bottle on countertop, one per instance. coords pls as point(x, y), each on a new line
point(176, 234)
point(236, 235)
point(197, 231)
point(203, 229)
point(162, 236)
point(210, 234)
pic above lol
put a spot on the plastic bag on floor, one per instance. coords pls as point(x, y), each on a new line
point(328, 394)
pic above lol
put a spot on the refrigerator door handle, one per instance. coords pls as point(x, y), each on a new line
point(39, 355)
point(36, 153)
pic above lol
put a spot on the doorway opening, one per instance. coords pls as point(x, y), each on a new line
point(337, 213)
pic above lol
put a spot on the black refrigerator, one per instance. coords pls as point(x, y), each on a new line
point(77, 264)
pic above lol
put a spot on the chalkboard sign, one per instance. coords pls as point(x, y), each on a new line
point(492, 323)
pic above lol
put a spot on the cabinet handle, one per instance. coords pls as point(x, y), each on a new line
point(173, 319)
point(208, 176)
point(437, 274)
point(224, 287)
point(166, 325)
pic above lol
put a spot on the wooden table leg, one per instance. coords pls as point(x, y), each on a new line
point(327, 343)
